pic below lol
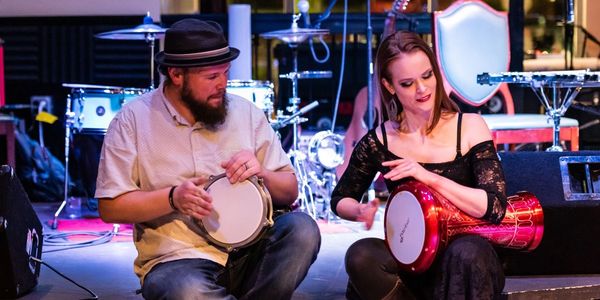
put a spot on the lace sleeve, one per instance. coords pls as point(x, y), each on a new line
point(362, 168)
point(488, 175)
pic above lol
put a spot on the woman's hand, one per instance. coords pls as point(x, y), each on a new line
point(403, 168)
point(366, 213)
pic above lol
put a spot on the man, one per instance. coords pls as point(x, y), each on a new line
point(157, 155)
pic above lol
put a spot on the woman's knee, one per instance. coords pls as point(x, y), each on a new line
point(361, 255)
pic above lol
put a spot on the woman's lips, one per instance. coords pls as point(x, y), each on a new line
point(424, 99)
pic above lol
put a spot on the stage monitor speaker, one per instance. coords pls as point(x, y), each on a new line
point(20, 238)
point(568, 187)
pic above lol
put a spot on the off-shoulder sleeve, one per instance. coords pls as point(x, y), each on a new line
point(488, 175)
point(362, 168)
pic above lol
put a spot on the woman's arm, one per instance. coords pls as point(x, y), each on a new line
point(480, 201)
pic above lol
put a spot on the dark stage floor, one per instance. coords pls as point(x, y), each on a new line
point(107, 269)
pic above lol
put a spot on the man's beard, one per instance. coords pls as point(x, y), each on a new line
point(211, 117)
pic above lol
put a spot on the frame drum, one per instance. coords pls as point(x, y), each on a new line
point(242, 212)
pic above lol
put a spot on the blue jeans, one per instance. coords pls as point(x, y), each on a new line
point(270, 269)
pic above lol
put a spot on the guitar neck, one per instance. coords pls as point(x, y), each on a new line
point(389, 26)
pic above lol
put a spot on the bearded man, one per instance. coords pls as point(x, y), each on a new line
point(157, 156)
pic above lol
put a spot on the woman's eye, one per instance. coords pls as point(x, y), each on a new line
point(406, 84)
point(428, 74)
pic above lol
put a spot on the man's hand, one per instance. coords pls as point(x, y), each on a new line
point(191, 199)
point(241, 166)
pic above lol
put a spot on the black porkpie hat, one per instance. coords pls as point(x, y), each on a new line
point(195, 43)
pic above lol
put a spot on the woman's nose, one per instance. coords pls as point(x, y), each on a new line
point(421, 87)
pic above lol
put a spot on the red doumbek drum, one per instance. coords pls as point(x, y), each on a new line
point(420, 223)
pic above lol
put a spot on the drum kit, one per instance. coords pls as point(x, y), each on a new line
point(90, 108)
point(315, 166)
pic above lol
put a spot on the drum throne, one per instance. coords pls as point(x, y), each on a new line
point(471, 38)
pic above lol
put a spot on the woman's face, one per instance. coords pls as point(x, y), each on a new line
point(413, 81)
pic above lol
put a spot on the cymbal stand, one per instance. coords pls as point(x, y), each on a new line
point(299, 159)
point(305, 195)
point(150, 39)
point(69, 120)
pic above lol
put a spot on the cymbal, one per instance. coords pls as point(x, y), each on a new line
point(294, 35)
point(141, 32)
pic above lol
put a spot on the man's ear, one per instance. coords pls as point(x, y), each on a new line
point(388, 86)
point(176, 75)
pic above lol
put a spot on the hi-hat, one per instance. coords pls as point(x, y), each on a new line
point(141, 32)
point(294, 35)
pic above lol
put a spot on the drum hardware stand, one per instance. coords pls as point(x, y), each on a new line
point(294, 36)
point(69, 121)
point(572, 81)
point(298, 159)
point(327, 183)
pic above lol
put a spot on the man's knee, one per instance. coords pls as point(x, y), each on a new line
point(302, 229)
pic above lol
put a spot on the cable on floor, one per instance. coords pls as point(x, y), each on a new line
point(94, 296)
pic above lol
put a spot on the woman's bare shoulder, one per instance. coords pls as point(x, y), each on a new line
point(474, 129)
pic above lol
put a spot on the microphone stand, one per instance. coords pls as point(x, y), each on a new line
point(369, 68)
point(371, 190)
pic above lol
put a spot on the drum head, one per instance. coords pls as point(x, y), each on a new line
point(405, 227)
point(239, 213)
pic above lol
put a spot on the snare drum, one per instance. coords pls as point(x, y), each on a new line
point(242, 212)
point(94, 106)
point(259, 92)
point(420, 223)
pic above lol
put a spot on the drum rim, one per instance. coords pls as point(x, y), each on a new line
point(255, 236)
point(432, 226)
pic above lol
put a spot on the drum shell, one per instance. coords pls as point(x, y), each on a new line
point(522, 227)
point(261, 93)
point(93, 107)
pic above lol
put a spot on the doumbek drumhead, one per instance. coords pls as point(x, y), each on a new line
point(241, 212)
point(407, 229)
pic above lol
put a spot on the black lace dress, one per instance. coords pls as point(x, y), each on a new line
point(448, 277)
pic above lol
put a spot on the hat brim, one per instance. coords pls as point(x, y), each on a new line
point(160, 60)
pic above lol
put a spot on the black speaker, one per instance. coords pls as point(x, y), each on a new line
point(568, 187)
point(20, 238)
